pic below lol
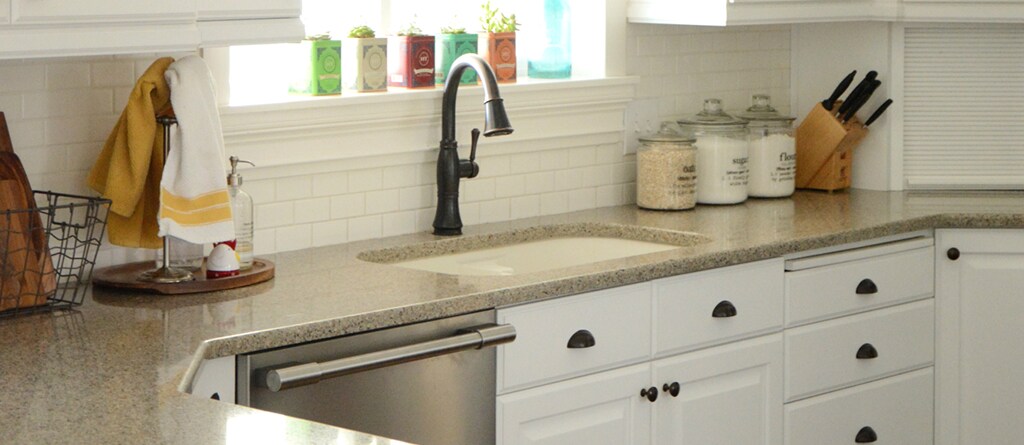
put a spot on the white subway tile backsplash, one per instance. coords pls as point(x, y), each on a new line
point(67, 75)
point(60, 112)
point(312, 210)
point(366, 227)
point(294, 237)
point(327, 184)
point(330, 232)
point(524, 206)
point(363, 180)
point(274, 215)
point(382, 201)
point(347, 206)
point(399, 223)
point(298, 187)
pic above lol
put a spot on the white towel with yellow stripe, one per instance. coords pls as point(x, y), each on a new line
point(194, 201)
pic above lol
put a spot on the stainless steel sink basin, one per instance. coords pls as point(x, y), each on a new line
point(535, 249)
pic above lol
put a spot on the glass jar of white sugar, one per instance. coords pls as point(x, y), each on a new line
point(772, 150)
point(721, 141)
point(666, 171)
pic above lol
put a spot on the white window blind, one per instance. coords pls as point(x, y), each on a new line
point(964, 107)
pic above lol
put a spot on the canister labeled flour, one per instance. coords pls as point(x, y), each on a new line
point(722, 154)
point(666, 171)
point(772, 150)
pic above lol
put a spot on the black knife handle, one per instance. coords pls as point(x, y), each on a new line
point(878, 112)
point(864, 96)
point(831, 101)
point(857, 92)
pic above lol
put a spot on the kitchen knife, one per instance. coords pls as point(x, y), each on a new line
point(857, 91)
point(861, 100)
point(830, 102)
point(878, 112)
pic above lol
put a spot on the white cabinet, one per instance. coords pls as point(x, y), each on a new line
point(988, 11)
point(55, 28)
point(753, 12)
point(979, 352)
point(234, 22)
point(731, 394)
point(600, 409)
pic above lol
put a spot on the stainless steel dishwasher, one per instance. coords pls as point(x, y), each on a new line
point(430, 383)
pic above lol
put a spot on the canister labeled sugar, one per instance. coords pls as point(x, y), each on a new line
point(722, 165)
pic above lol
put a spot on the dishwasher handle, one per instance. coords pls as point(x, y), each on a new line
point(476, 337)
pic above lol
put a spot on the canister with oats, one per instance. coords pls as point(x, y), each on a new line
point(666, 177)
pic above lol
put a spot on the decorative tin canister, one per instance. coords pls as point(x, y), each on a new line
point(365, 64)
point(411, 61)
point(499, 50)
point(449, 48)
point(317, 69)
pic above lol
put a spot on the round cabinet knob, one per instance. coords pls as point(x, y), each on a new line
point(867, 287)
point(671, 388)
point(867, 352)
point(866, 435)
point(650, 393)
point(582, 339)
point(724, 309)
point(953, 254)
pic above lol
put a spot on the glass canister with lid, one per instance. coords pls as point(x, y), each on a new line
point(772, 150)
point(721, 141)
point(666, 171)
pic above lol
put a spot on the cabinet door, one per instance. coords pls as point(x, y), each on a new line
point(244, 22)
point(5, 12)
point(727, 395)
point(979, 353)
point(102, 11)
point(600, 409)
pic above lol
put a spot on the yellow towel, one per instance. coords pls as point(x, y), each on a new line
point(129, 168)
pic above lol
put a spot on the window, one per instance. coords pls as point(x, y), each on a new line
point(258, 76)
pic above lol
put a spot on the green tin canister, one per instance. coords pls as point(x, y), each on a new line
point(449, 48)
point(317, 69)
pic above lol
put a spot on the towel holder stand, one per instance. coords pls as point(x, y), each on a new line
point(165, 274)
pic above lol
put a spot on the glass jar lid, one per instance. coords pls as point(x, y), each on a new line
point(761, 113)
point(712, 116)
point(667, 134)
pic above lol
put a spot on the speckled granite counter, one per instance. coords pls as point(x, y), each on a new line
point(111, 371)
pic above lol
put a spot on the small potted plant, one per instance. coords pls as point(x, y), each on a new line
point(498, 42)
point(365, 61)
point(317, 67)
point(452, 43)
point(411, 59)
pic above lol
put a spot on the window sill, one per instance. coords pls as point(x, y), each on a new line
point(545, 114)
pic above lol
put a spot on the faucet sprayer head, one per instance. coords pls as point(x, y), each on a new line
point(495, 119)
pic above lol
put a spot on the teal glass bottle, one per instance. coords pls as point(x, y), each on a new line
point(553, 58)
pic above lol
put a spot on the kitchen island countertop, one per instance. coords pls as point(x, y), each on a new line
point(112, 371)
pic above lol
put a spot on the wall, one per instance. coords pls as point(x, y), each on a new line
point(61, 110)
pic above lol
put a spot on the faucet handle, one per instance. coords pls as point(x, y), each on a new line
point(472, 149)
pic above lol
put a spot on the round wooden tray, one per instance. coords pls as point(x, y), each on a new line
point(126, 276)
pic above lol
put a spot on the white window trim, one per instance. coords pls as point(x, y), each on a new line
point(319, 135)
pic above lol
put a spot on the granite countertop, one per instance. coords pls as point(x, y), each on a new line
point(113, 370)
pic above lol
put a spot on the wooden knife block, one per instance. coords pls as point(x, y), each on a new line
point(824, 150)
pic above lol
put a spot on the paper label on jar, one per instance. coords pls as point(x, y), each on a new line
point(786, 168)
point(737, 173)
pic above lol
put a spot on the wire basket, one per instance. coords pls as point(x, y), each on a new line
point(47, 254)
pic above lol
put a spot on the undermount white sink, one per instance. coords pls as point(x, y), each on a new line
point(535, 256)
point(533, 249)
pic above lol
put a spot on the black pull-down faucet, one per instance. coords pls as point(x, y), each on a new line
point(450, 169)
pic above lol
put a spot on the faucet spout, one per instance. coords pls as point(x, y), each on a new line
point(450, 168)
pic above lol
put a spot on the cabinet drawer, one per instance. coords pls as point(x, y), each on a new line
point(611, 327)
point(857, 286)
point(897, 410)
point(824, 356)
point(693, 311)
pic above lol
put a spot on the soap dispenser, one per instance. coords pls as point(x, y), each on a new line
point(242, 210)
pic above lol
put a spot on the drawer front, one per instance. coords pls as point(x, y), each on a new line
point(857, 286)
point(717, 306)
point(855, 349)
point(575, 335)
point(896, 410)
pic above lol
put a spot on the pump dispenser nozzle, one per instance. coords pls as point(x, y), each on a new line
point(235, 179)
